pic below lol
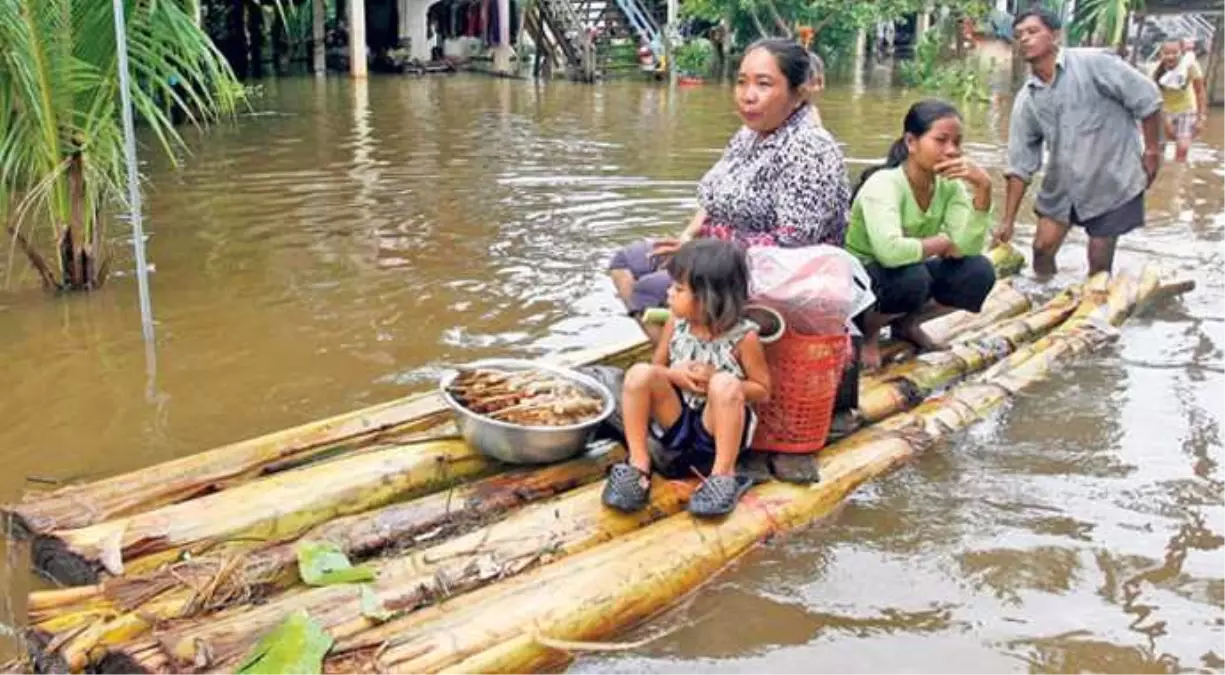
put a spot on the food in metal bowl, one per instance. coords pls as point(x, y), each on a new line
point(533, 397)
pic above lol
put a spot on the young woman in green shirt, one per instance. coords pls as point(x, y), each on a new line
point(919, 223)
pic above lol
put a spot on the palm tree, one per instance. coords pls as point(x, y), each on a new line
point(61, 146)
point(1104, 21)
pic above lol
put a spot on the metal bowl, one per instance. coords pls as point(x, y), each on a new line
point(519, 444)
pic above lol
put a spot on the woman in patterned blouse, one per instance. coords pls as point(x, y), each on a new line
point(781, 180)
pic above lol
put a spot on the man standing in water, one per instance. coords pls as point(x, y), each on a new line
point(1083, 106)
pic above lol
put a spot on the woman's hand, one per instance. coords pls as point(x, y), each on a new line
point(940, 246)
point(966, 170)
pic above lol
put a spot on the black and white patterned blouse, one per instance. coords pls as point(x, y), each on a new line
point(788, 188)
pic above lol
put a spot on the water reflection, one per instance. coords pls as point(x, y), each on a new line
point(329, 253)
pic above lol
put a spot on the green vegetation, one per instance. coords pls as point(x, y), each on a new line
point(957, 79)
point(61, 145)
point(694, 58)
point(1101, 22)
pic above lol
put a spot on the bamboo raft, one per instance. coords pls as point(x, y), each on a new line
point(474, 566)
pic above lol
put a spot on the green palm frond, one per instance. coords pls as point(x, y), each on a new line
point(59, 98)
point(1103, 19)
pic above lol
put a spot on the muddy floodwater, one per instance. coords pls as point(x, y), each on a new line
point(331, 250)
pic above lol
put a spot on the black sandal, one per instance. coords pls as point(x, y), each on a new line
point(717, 495)
point(624, 490)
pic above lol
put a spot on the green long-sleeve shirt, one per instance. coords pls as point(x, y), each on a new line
point(887, 225)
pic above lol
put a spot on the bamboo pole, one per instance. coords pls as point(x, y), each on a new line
point(280, 506)
point(596, 593)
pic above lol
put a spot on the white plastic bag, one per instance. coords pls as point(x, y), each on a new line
point(817, 289)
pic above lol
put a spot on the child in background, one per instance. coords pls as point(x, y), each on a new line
point(695, 397)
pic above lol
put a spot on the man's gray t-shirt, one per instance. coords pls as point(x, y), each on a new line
point(1087, 118)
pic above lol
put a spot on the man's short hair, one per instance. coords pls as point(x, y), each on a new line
point(1047, 17)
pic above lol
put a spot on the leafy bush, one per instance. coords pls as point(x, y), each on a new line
point(695, 57)
point(961, 80)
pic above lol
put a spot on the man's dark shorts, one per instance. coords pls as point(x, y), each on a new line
point(1114, 223)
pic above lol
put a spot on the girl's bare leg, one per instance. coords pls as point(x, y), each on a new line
point(1182, 148)
point(724, 419)
point(647, 394)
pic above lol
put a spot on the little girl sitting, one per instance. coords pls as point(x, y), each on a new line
point(694, 397)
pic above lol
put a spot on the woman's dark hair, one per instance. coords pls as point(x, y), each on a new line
point(918, 121)
point(791, 57)
point(718, 274)
point(1047, 17)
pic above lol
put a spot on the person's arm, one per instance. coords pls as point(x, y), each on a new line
point(695, 224)
point(752, 357)
point(814, 203)
point(660, 357)
point(1024, 160)
point(879, 200)
point(966, 218)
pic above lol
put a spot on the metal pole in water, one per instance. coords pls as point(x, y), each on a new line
point(129, 151)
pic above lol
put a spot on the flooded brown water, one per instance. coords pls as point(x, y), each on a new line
point(331, 251)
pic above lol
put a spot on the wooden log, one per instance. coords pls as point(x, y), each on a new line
point(123, 609)
point(594, 594)
point(268, 509)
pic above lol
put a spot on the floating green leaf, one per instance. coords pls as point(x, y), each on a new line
point(322, 563)
point(298, 645)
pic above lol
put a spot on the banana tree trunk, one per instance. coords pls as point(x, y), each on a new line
point(85, 620)
point(540, 533)
point(591, 596)
point(273, 508)
point(323, 604)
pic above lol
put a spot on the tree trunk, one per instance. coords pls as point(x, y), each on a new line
point(281, 49)
point(255, 33)
point(236, 38)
